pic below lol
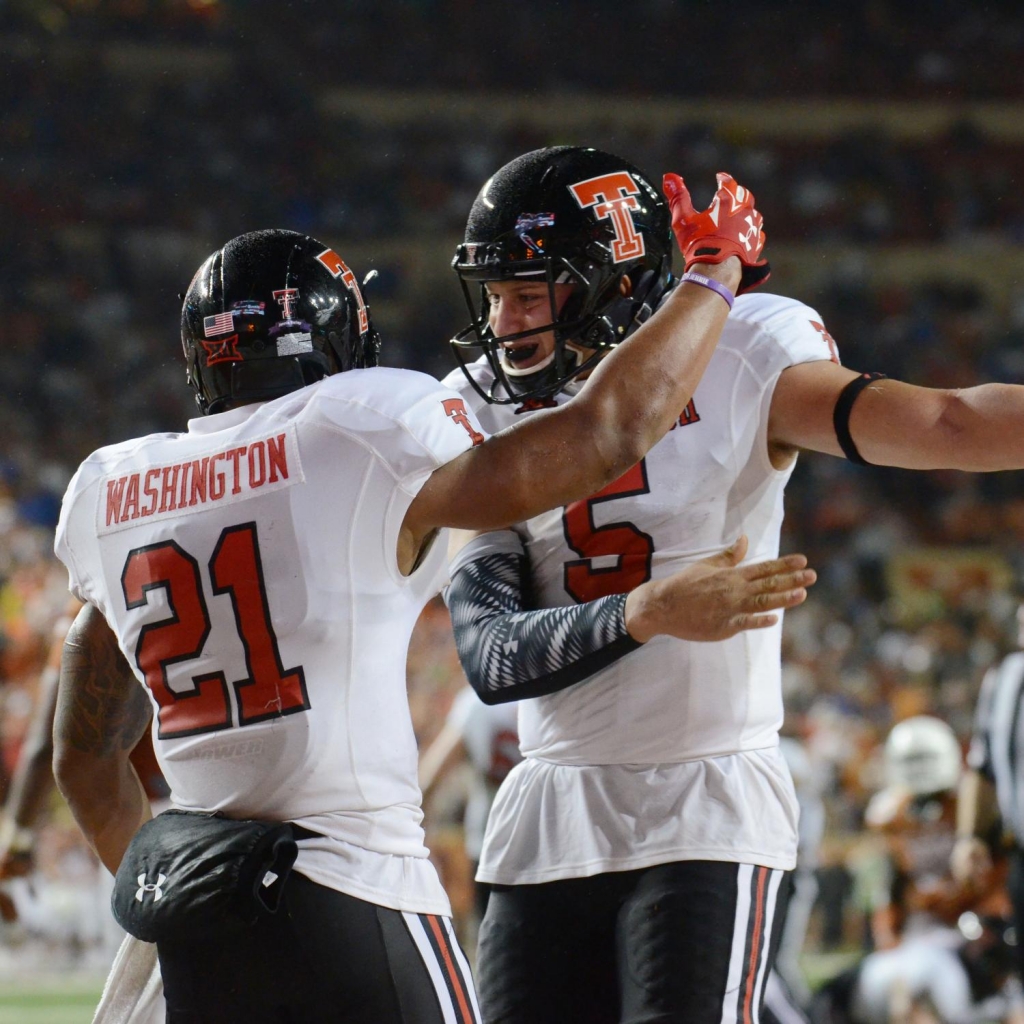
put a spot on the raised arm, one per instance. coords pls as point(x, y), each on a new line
point(102, 712)
point(628, 404)
point(897, 424)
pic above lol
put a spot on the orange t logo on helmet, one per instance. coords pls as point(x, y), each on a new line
point(614, 196)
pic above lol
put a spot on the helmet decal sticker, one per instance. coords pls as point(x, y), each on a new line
point(219, 323)
point(527, 222)
point(225, 350)
point(249, 307)
point(336, 266)
point(285, 297)
point(295, 343)
point(613, 196)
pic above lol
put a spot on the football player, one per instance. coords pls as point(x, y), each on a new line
point(916, 814)
point(260, 575)
point(483, 737)
point(640, 852)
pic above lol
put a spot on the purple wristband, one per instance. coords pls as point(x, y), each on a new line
point(708, 282)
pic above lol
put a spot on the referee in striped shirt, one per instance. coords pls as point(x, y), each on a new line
point(993, 785)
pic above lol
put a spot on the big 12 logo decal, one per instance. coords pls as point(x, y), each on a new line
point(614, 196)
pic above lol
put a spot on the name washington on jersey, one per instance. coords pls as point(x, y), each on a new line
point(196, 482)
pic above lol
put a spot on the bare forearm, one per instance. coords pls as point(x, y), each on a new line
point(976, 808)
point(985, 426)
point(108, 802)
point(101, 714)
point(978, 429)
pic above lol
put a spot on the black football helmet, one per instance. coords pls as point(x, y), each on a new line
point(270, 313)
point(570, 215)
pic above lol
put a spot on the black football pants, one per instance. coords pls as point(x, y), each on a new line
point(324, 958)
point(684, 943)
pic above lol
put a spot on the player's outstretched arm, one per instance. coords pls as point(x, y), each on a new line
point(896, 424)
point(628, 404)
point(511, 654)
point(102, 712)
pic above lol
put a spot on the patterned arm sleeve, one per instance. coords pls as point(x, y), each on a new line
point(509, 653)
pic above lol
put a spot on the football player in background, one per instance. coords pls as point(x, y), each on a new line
point(640, 853)
point(916, 815)
point(484, 738)
point(970, 981)
point(261, 574)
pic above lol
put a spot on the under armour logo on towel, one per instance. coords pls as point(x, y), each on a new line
point(155, 888)
point(510, 646)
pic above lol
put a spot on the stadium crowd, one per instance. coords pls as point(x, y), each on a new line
point(122, 161)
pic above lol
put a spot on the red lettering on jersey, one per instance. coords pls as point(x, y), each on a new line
point(115, 492)
point(613, 196)
point(278, 458)
point(456, 408)
point(165, 489)
point(131, 499)
point(168, 487)
point(149, 490)
point(217, 480)
point(828, 339)
point(285, 297)
point(257, 464)
point(336, 265)
point(223, 350)
point(200, 471)
point(234, 455)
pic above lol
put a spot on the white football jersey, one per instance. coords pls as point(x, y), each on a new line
point(686, 732)
point(248, 568)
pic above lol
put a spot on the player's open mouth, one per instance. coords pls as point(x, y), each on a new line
point(521, 353)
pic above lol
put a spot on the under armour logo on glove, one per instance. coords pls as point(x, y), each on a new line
point(156, 888)
point(752, 236)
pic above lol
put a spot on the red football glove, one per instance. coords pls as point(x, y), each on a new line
point(730, 226)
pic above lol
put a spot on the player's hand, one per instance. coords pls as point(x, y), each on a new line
point(970, 862)
point(730, 226)
point(717, 598)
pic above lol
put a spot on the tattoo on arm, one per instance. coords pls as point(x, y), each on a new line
point(102, 707)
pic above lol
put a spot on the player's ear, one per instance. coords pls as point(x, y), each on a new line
point(625, 286)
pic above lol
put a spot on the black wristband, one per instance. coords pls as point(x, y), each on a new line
point(841, 415)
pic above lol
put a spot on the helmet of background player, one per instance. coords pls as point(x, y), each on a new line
point(271, 312)
point(923, 755)
point(564, 215)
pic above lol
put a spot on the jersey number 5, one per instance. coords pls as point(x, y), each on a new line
point(625, 546)
point(269, 691)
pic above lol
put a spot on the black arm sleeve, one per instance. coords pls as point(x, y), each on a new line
point(509, 654)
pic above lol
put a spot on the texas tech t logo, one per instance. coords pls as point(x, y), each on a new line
point(613, 196)
point(456, 409)
point(336, 265)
